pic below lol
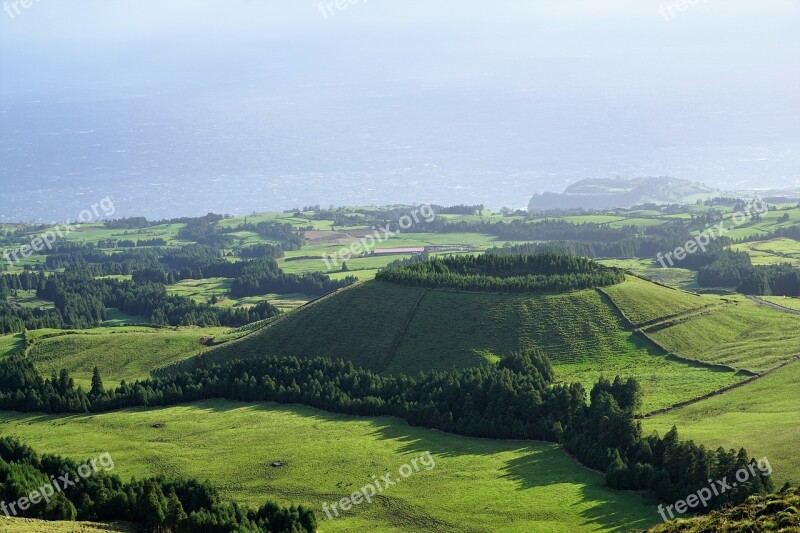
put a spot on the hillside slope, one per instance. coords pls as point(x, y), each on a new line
point(774, 512)
point(395, 329)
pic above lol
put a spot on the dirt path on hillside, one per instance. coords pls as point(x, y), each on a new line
point(773, 305)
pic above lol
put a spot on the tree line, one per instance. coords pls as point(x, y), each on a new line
point(518, 398)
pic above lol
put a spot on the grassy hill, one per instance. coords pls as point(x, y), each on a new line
point(739, 333)
point(389, 328)
point(119, 353)
point(643, 302)
point(477, 485)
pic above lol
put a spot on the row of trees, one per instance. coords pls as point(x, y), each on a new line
point(550, 272)
point(158, 504)
point(772, 280)
point(517, 398)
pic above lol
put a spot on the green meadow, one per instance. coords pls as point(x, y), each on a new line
point(476, 485)
point(761, 416)
point(128, 355)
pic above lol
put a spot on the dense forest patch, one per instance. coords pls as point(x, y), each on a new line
point(550, 272)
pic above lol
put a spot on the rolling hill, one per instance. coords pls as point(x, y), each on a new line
point(390, 328)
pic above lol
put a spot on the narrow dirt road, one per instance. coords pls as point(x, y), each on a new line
point(774, 306)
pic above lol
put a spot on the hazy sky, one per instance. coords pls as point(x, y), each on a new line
point(55, 45)
point(268, 104)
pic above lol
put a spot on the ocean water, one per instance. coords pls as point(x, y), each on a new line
point(238, 149)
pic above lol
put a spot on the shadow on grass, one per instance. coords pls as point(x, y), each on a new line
point(539, 464)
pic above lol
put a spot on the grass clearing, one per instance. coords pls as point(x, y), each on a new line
point(201, 290)
point(11, 344)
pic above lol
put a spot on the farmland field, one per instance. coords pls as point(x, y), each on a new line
point(674, 277)
point(360, 324)
point(233, 444)
point(642, 302)
point(760, 416)
point(578, 331)
point(201, 290)
point(739, 333)
point(771, 252)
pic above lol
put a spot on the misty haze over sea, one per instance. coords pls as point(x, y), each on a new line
point(229, 123)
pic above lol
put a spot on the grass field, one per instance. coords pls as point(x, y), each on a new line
point(476, 485)
point(28, 299)
point(642, 302)
point(579, 331)
point(305, 266)
point(771, 252)
point(674, 277)
point(739, 333)
point(119, 354)
point(761, 416)
point(23, 525)
point(10, 344)
point(362, 275)
point(201, 290)
point(115, 317)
